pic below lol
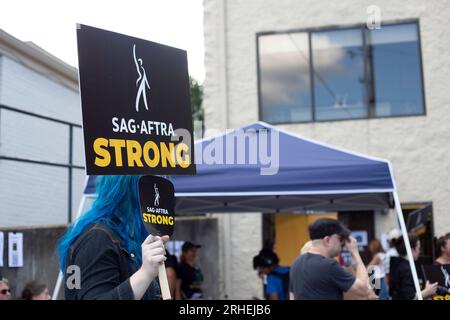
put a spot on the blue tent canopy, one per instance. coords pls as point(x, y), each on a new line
point(311, 176)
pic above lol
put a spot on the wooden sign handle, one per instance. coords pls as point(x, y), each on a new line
point(163, 283)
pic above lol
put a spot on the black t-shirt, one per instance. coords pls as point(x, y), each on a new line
point(314, 277)
point(191, 281)
point(401, 284)
point(171, 261)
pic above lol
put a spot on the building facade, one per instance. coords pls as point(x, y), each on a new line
point(323, 69)
point(41, 147)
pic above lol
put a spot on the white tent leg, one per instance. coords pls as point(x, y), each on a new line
point(401, 220)
point(79, 212)
point(58, 285)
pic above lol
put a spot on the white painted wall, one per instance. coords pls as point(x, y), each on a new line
point(31, 91)
point(418, 147)
point(33, 194)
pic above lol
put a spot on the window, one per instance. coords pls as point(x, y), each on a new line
point(396, 70)
point(284, 74)
point(345, 73)
point(338, 64)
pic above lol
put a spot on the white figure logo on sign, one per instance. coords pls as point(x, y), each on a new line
point(156, 196)
point(141, 82)
point(446, 277)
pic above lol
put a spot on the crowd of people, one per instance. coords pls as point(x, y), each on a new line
point(320, 273)
point(118, 259)
point(33, 290)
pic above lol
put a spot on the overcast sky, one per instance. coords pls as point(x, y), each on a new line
point(51, 24)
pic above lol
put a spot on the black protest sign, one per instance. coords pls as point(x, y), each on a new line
point(135, 104)
point(157, 199)
point(439, 274)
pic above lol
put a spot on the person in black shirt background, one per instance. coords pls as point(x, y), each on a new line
point(171, 270)
point(401, 284)
point(190, 277)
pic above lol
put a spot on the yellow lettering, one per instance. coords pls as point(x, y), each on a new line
point(167, 155)
point(184, 163)
point(159, 219)
point(100, 145)
point(134, 152)
point(150, 145)
point(118, 145)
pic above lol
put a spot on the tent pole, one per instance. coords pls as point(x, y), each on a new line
point(227, 232)
point(79, 212)
point(57, 285)
point(401, 220)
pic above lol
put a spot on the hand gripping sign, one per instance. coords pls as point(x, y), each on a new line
point(157, 199)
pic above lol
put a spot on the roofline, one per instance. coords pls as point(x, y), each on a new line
point(39, 59)
point(267, 125)
point(323, 144)
point(282, 193)
point(272, 193)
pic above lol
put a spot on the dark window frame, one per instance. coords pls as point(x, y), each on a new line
point(368, 70)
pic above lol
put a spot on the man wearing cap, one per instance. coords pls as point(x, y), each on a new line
point(190, 277)
point(316, 275)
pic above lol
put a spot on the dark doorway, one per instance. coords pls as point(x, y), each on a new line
point(419, 221)
point(360, 221)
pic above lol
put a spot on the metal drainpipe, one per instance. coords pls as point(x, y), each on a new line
point(227, 233)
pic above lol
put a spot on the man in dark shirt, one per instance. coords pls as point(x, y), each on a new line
point(190, 277)
point(316, 275)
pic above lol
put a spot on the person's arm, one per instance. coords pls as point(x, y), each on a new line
point(99, 262)
point(429, 290)
point(273, 296)
point(172, 279)
point(375, 260)
point(272, 287)
point(152, 256)
point(178, 295)
point(359, 289)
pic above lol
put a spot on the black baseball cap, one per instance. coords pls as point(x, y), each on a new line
point(187, 245)
point(324, 227)
point(265, 258)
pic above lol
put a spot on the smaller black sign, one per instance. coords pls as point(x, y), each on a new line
point(157, 199)
point(439, 274)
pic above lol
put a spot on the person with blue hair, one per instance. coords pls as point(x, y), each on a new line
point(116, 257)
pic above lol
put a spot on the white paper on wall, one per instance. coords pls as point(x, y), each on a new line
point(1, 248)
point(15, 249)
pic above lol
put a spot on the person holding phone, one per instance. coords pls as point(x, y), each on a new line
point(316, 275)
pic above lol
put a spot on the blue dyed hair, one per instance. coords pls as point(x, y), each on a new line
point(117, 206)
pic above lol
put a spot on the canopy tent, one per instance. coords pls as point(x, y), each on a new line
point(310, 176)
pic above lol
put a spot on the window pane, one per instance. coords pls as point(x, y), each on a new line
point(396, 70)
point(338, 69)
point(284, 78)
